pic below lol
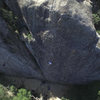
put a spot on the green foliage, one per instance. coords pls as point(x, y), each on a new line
point(98, 31)
point(98, 95)
point(13, 93)
point(3, 93)
point(96, 18)
point(64, 98)
point(29, 36)
point(13, 89)
point(22, 94)
point(9, 17)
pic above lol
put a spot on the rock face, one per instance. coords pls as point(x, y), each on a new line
point(14, 56)
point(63, 40)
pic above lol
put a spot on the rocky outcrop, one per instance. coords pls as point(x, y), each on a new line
point(14, 57)
point(63, 42)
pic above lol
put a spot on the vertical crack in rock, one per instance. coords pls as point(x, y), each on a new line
point(14, 58)
point(62, 39)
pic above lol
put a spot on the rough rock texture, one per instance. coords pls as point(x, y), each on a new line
point(14, 58)
point(63, 42)
point(65, 39)
point(45, 89)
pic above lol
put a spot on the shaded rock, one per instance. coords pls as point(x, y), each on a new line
point(14, 7)
point(3, 29)
point(37, 87)
point(14, 57)
point(65, 39)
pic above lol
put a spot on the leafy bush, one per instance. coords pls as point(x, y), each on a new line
point(96, 18)
point(13, 93)
point(4, 93)
point(22, 94)
point(64, 98)
point(98, 95)
point(29, 36)
point(9, 17)
point(98, 31)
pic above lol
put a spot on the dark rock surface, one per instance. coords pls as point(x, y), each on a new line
point(14, 58)
point(64, 40)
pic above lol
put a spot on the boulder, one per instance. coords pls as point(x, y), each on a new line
point(63, 40)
